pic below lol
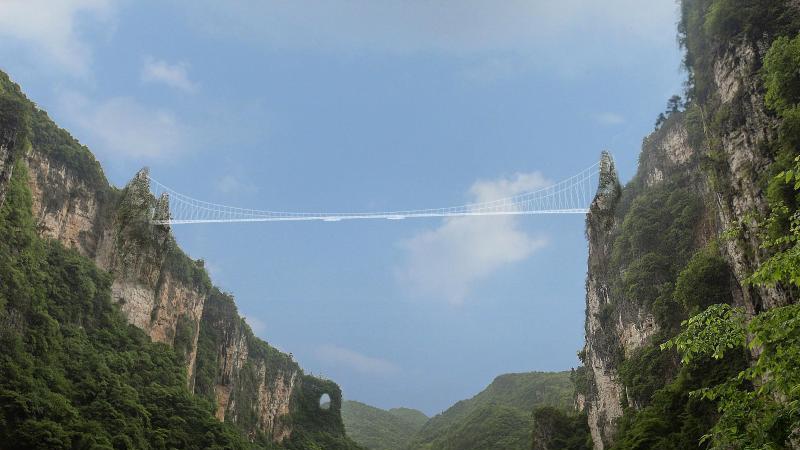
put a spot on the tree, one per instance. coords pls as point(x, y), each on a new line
point(660, 120)
point(674, 104)
point(555, 429)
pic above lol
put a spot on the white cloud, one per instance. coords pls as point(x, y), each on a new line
point(351, 359)
point(447, 25)
point(448, 261)
point(51, 29)
point(122, 127)
point(609, 118)
point(173, 75)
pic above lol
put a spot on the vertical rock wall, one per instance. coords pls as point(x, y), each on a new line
point(602, 402)
point(726, 171)
point(252, 384)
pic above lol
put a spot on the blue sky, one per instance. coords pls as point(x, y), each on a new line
point(367, 105)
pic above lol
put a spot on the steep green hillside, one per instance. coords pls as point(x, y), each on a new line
point(378, 429)
point(415, 417)
point(499, 417)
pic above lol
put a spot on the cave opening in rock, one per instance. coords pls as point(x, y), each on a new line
point(325, 402)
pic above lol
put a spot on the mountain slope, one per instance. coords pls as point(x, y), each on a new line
point(65, 225)
point(379, 429)
point(499, 417)
point(412, 416)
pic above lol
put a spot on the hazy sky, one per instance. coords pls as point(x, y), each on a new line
point(367, 105)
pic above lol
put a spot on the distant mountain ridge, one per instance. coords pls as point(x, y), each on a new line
point(379, 429)
point(497, 418)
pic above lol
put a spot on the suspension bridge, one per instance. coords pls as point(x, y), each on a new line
point(570, 196)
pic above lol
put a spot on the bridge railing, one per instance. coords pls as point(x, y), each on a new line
point(570, 196)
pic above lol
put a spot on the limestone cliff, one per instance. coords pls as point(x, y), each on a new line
point(158, 287)
point(620, 307)
point(700, 185)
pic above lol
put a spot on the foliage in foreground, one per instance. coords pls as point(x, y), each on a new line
point(759, 407)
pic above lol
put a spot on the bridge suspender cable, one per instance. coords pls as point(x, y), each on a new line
point(570, 196)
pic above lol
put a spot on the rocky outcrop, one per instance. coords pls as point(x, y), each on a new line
point(251, 383)
point(602, 403)
point(64, 207)
point(742, 144)
point(616, 325)
point(666, 151)
point(6, 164)
point(273, 401)
point(13, 135)
point(125, 244)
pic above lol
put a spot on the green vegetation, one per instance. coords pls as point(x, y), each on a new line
point(182, 267)
point(13, 123)
point(780, 230)
point(73, 373)
point(378, 429)
point(316, 428)
point(220, 323)
point(706, 280)
point(415, 417)
point(499, 417)
point(708, 394)
point(660, 412)
point(708, 27)
point(758, 405)
point(312, 427)
point(674, 419)
point(655, 241)
point(495, 426)
point(53, 141)
point(650, 249)
point(554, 428)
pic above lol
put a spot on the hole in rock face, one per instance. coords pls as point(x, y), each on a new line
point(325, 402)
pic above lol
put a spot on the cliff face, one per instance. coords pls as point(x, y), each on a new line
point(745, 158)
point(602, 404)
point(112, 228)
point(713, 158)
point(624, 270)
point(251, 383)
point(160, 289)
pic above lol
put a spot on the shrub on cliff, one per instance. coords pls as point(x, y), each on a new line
point(554, 428)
